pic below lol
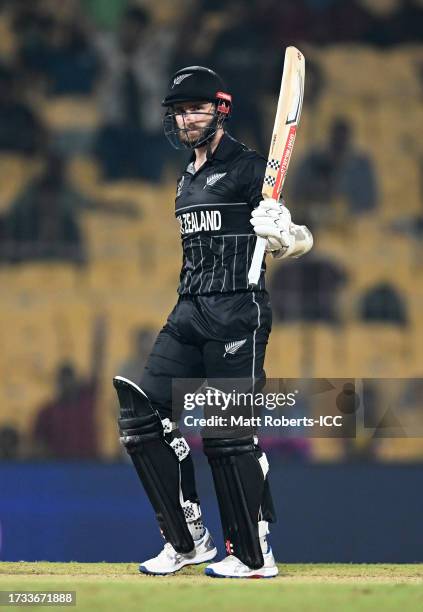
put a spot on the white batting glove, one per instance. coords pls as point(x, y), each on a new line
point(272, 220)
point(302, 243)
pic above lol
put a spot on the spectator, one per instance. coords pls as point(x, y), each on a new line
point(382, 303)
point(336, 171)
point(60, 51)
point(337, 22)
point(43, 222)
point(20, 129)
point(307, 290)
point(130, 141)
point(236, 55)
point(291, 21)
point(395, 23)
point(66, 427)
point(200, 25)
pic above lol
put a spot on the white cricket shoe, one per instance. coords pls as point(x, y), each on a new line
point(170, 561)
point(232, 567)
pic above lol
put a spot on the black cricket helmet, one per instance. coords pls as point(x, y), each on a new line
point(195, 84)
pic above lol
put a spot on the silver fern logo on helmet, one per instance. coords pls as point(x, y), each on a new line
point(178, 80)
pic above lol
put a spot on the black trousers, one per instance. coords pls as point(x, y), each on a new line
point(209, 336)
point(214, 336)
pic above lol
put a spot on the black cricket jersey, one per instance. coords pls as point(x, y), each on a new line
point(213, 207)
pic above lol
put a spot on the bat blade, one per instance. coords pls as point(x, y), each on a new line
point(287, 118)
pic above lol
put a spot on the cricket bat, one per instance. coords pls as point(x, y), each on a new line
point(283, 137)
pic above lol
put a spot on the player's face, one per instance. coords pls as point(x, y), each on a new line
point(192, 118)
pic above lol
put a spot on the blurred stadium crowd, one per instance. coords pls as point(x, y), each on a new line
point(87, 181)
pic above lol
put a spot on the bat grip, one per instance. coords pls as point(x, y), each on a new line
point(255, 268)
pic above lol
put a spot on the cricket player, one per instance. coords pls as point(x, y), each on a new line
point(219, 328)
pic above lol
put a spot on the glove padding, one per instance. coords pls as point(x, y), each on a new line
point(303, 242)
point(272, 220)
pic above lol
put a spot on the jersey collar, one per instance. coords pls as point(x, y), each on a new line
point(224, 151)
point(226, 147)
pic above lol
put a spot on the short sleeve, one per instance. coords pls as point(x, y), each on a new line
point(251, 175)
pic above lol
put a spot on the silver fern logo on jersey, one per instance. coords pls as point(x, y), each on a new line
point(178, 80)
point(179, 188)
point(232, 347)
point(213, 178)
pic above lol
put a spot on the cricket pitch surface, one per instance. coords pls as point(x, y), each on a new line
point(317, 587)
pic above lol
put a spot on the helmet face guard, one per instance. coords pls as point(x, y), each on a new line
point(179, 136)
point(194, 84)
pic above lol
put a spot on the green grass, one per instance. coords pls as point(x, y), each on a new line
point(118, 587)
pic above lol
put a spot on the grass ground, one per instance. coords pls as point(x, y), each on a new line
point(118, 587)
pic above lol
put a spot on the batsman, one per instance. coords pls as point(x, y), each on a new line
point(219, 328)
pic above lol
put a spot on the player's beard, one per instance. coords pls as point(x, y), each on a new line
point(189, 137)
point(192, 135)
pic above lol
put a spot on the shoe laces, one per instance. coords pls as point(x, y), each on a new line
point(232, 559)
point(168, 552)
point(239, 566)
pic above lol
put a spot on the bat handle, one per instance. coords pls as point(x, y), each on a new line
point(255, 268)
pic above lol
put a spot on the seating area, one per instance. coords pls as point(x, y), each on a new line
point(48, 308)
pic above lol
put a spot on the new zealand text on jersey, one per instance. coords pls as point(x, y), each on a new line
point(200, 221)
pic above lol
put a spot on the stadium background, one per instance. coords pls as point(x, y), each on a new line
point(89, 251)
